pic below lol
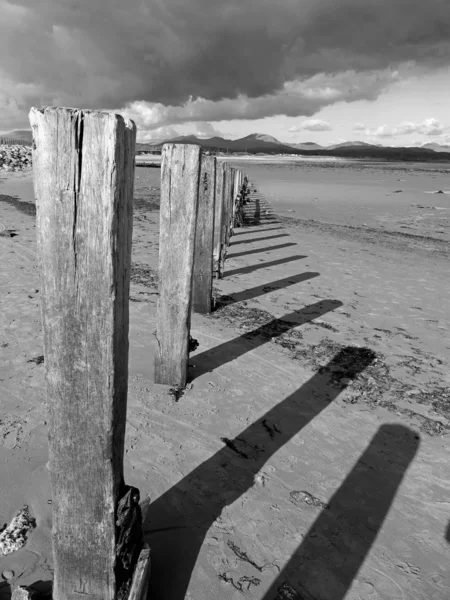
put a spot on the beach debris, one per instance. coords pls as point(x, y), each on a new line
point(8, 574)
point(193, 344)
point(144, 275)
point(14, 537)
point(37, 360)
point(15, 157)
point(242, 555)
point(242, 447)
point(9, 233)
point(24, 592)
point(303, 497)
point(261, 479)
point(271, 429)
point(345, 381)
point(233, 447)
point(243, 584)
point(177, 392)
point(397, 191)
point(287, 592)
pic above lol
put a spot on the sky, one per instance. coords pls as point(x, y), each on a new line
point(325, 71)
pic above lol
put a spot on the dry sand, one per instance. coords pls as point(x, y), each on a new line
point(311, 451)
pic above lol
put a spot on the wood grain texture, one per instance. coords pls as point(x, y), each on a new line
point(204, 239)
point(83, 163)
point(180, 175)
point(220, 182)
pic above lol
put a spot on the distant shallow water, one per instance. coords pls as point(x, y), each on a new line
point(390, 197)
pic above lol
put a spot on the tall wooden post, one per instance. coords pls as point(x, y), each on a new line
point(204, 239)
point(83, 166)
point(180, 175)
point(225, 225)
point(220, 195)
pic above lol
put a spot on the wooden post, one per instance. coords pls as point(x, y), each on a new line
point(237, 176)
point(180, 174)
point(204, 239)
point(225, 229)
point(220, 194)
point(83, 164)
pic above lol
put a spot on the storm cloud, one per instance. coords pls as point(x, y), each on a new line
point(110, 54)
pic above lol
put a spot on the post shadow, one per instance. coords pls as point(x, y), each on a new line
point(250, 229)
point(447, 533)
point(261, 239)
point(265, 288)
point(5, 591)
point(179, 519)
point(227, 351)
point(266, 249)
point(263, 265)
point(335, 547)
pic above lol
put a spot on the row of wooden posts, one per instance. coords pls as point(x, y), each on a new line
point(201, 203)
point(9, 141)
point(83, 164)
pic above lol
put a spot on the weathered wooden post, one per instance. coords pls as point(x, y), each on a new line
point(204, 238)
point(83, 164)
point(225, 229)
point(236, 189)
point(218, 214)
point(180, 175)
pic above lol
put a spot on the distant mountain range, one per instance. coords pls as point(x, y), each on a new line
point(258, 143)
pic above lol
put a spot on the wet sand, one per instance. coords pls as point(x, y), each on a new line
point(310, 452)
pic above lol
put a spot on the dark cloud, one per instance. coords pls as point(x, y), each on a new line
point(106, 53)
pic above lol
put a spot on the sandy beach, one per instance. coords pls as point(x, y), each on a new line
point(308, 458)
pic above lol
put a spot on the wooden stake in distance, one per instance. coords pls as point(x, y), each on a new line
point(180, 174)
point(83, 166)
point(204, 239)
point(220, 195)
point(225, 225)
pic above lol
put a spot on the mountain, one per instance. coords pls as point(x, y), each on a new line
point(307, 146)
point(254, 138)
point(19, 134)
point(437, 147)
point(254, 143)
point(257, 143)
point(353, 145)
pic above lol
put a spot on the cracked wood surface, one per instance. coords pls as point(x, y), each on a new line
point(180, 174)
point(203, 264)
point(83, 165)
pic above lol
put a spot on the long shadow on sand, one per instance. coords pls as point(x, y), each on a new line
point(23, 206)
point(263, 265)
point(265, 249)
point(251, 229)
point(262, 239)
point(335, 547)
point(179, 519)
point(265, 288)
point(220, 355)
